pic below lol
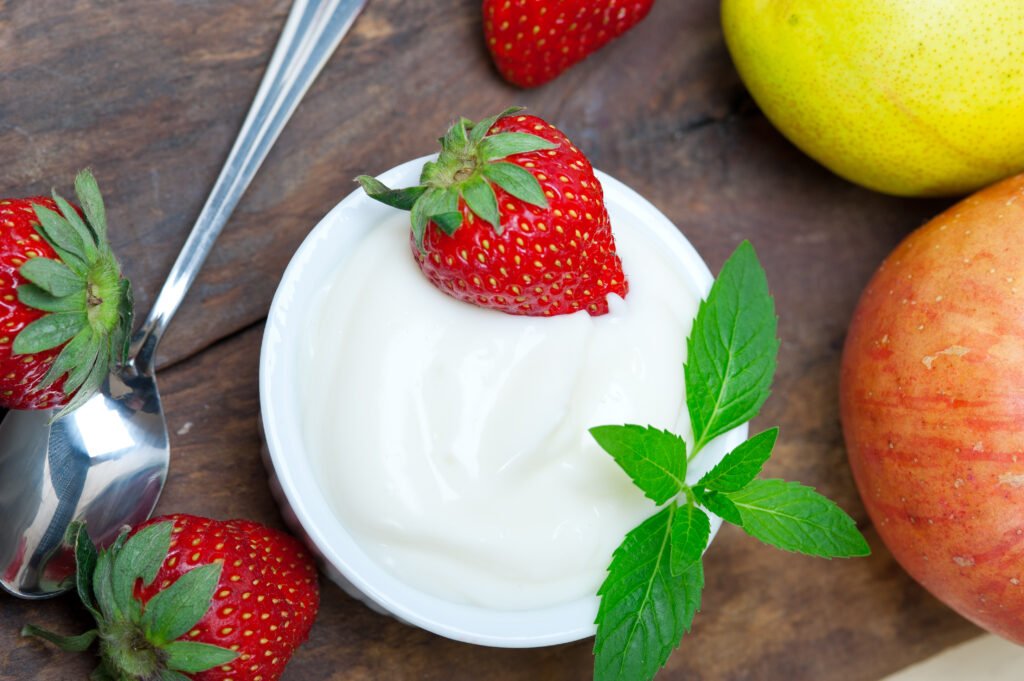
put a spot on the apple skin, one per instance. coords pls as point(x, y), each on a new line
point(907, 97)
point(932, 405)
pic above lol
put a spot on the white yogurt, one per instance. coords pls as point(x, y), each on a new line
point(452, 441)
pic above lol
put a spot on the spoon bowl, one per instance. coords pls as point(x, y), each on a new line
point(105, 464)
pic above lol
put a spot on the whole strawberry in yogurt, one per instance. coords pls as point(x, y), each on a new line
point(511, 217)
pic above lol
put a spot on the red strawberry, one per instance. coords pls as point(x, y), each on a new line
point(532, 41)
point(66, 311)
point(511, 217)
point(183, 597)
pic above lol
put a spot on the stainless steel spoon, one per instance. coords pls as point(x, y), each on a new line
point(106, 463)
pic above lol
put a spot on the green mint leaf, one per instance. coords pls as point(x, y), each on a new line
point(175, 610)
point(479, 196)
point(139, 558)
point(517, 181)
point(690, 531)
point(731, 349)
point(654, 459)
point(502, 144)
point(742, 464)
point(192, 657)
point(794, 517)
point(644, 610)
point(718, 504)
point(52, 276)
point(71, 644)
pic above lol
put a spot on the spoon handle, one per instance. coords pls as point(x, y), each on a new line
point(312, 32)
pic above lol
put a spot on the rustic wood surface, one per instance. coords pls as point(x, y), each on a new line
point(150, 93)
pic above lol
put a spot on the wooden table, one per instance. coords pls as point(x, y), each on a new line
point(150, 93)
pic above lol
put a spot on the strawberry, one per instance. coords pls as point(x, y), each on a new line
point(511, 217)
point(533, 41)
point(66, 314)
point(182, 597)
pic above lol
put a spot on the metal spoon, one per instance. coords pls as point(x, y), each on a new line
point(106, 463)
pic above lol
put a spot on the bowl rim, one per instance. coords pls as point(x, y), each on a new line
point(305, 505)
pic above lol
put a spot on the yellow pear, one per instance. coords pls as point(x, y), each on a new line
point(908, 97)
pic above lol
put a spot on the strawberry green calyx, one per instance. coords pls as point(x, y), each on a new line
point(88, 302)
point(468, 167)
point(139, 642)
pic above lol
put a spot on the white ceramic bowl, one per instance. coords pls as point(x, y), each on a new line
point(293, 479)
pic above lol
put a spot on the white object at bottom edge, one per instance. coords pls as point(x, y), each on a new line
point(986, 658)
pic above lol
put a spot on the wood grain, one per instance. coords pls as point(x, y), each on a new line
point(151, 93)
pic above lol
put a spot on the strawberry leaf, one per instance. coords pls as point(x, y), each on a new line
point(102, 588)
point(447, 222)
point(48, 332)
point(171, 675)
point(644, 609)
point(140, 558)
point(479, 130)
point(72, 644)
point(502, 144)
point(91, 200)
point(419, 218)
point(441, 206)
point(456, 138)
point(64, 239)
point(85, 564)
point(103, 673)
point(52, 276)
point(84, 233)
point(742, 464)
point(690, 531)
point(97, 375)
point(77, 356)
point(192, 657)
point(731, 349)
point(654, 459)
point(80, 372)
point(33, 296)
point(175, 610)
point(479, 196)
point(402, 199)
point(794, 517)
point(517, 181)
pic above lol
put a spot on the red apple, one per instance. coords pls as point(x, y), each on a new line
point(932, 403)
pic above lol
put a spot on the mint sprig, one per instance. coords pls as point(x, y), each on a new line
point(654, 583)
